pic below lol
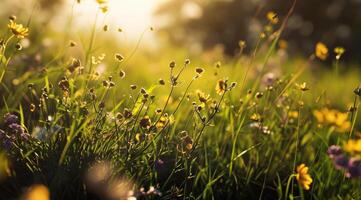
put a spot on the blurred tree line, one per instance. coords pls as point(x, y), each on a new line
point(210, 22)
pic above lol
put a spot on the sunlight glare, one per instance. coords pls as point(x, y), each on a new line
point(132, 16)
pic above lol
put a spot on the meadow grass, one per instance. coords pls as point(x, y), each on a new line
point(150, 127)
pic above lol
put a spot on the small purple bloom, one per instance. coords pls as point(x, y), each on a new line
point(7, 143)
point(17, 128)
point(341, 161)
point(334, 151)
point(25, 136)
point(10, 119)
point(353, 168)
point(5, 140)
point(159, 164)
point(19, 131)
point(268, 79)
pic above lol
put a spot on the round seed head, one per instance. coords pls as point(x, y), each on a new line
point(172, 64)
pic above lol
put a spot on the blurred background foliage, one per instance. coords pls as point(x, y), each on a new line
point(207, 24)
point(212, 22)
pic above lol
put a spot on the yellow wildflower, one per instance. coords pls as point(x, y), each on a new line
point(37, 192)
point(334, 118)
point(353, 146)
point(302, 176)
point(32, 107)
point(319, 116)
point(262, 35)
point(221, 86)
point(171, 119)
point(293, 114)
point(340, 118)
point(242, 44)
point(162, 122)
point(321, 51)
point(102, 1)
point(18, 29)
point(202, 97)
point(256, 117)
point(302, 87)
point(272, 17)
point(145, 122)
point(139, 137)
point(104, 8)
point(283, 44)
point(339, 51)
point(188, 143)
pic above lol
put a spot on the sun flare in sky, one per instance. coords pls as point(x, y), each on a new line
point(132, 16)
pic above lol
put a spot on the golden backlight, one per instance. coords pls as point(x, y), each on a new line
point(132, 16)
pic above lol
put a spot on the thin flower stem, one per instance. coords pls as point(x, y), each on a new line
point(184, 95)
point(290, 178)
point(92, 39)
point(337, 67)
point(2, 55)
point(297, 136)
point(204, 124)
point(354, 114)
point(167, 123)
point(166, 104)
point(135, 48)
point(266, 173)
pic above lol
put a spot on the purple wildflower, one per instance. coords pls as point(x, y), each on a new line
point(353, 168)
point(334, 151)
point(159, 165)
point(10, 119)
point(268, 79)
point(6, 141)
point(25, 136)
point(17, 128)
point(341, 161)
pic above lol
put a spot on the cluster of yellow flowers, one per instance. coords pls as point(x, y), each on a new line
point(321, 51)
point(353, 147)
point(333, 117)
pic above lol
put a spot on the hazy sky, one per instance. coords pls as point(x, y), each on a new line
point(133, 16)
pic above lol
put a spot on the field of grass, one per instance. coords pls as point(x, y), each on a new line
point(83, 117)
